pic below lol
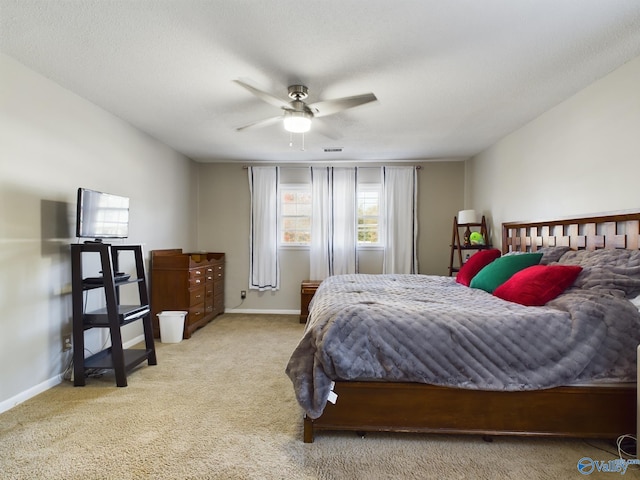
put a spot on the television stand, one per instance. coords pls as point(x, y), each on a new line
point(113, 316)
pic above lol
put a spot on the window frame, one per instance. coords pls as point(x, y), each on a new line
point(369, 187)
point(283, 189)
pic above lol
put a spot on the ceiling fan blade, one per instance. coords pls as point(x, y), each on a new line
point(321, 127)
point(260, 123)
point(262, 95)
point(329, 107)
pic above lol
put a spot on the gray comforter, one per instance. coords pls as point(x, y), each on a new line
point(430, 329)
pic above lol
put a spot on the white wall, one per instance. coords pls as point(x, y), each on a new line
point(51, 143)
point(581, 157)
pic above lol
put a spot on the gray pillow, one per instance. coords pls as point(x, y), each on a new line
point(551, 254)
point(614, 271)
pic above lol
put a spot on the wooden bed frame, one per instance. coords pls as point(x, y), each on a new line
point(574, 411)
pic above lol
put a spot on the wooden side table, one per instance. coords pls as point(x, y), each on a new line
point(307, 290)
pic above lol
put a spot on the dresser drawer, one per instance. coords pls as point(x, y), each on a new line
point(196, 277)
point(218, 272)
point(196, 295)
point(218, 303)
point(196, 313)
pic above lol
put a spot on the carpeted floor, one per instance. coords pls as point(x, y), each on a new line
point(219, 406)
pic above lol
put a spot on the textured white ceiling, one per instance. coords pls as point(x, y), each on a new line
point(452, 77)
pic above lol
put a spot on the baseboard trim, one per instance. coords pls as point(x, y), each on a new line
point(262, 312)
point(9, 403)
point(133, 341)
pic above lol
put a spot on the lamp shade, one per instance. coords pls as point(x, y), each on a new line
point(467, 216)
point(297, 122)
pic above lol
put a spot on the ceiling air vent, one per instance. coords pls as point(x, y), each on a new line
point(333, 149)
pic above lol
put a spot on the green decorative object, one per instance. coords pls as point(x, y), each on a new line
point(476, 238)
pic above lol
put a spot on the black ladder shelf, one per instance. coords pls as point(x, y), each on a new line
point(114, 316)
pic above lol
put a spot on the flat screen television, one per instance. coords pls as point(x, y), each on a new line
point(101, 215)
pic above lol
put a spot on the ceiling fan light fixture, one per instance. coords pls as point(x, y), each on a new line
point(297, 122)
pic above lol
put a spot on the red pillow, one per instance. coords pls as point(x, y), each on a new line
point(476, 263)
point(537, 285)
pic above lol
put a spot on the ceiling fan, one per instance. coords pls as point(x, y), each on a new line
point(297, 114)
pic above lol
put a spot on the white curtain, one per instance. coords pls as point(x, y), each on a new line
point(333, 225)
point(345, 237)
point(264, 263)
point(319, 256)
point(400, 189)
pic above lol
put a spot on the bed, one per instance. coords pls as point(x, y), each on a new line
point(590, 393)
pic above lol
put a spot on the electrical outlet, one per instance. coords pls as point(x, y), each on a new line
point(243, 294)
point(66, 342)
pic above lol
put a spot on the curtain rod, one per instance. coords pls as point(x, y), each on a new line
point(245, 167)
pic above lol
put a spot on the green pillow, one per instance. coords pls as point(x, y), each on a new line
point(501, 270)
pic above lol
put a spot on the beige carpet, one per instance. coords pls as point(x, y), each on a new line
point(219, 406)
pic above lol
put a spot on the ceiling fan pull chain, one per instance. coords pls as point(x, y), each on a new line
point(302, 142)
point(290, 140)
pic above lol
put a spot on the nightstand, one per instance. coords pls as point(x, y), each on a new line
point(307, 290)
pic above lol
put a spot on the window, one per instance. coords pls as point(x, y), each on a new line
point(369, 214)
point(295, 214)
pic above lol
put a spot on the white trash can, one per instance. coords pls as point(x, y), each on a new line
point(171, 326)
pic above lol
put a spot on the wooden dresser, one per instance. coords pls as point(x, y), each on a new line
point(191, 282)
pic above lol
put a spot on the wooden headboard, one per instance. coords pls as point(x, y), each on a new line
point(590, 233)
